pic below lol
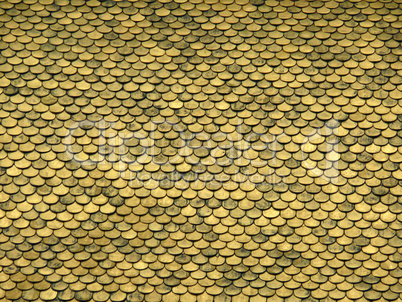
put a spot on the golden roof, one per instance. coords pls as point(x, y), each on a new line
point(217, 150)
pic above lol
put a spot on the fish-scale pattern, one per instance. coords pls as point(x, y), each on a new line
point(227, 150)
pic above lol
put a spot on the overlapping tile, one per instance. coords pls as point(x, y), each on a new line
point(200, 150)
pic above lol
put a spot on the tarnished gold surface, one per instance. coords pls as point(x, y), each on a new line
point(226, 150)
